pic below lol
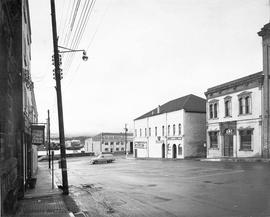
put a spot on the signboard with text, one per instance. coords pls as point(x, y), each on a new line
point(38, 136)
point(140, 145)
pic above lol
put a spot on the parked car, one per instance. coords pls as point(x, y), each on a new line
point(102, 158)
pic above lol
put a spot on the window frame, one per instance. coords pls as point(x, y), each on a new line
point(213, 145)
point(248, 144)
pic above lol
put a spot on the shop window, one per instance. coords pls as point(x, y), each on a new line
point(245, 139)
point(213, 139)
point(174, 129)
point(179, 129)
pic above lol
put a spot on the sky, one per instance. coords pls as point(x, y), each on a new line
point(142, 53)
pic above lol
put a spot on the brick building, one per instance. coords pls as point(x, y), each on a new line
point(175, 129)
point(18, 158)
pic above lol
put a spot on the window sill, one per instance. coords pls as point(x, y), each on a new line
point(213, 148)
point(245, 150)
point(245, 114)
point(213, 118)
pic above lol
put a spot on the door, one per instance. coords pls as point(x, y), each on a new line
point(131, 147)
point(163, 150)
point(174, 151)
point(228, 145)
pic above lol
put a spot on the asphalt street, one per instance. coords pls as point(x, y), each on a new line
point(130, 187)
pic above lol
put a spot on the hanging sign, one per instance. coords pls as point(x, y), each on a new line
point(37, 134)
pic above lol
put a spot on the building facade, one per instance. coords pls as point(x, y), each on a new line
point(17, 103)
point(234, 118)
point(112, 142)
point(175, 129)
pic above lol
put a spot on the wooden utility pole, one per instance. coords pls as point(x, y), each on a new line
point(59, 102)
point(49, 138)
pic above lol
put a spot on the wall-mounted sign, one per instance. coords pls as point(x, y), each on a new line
point(140, 145)
point(37, 133)
point(175, 138)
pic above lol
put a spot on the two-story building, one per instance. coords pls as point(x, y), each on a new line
point(234, 118)
point(111, 142)
point(175, 129)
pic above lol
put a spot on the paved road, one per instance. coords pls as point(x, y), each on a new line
point(170, 188)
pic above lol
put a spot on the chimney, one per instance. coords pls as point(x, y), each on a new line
point(158, 109)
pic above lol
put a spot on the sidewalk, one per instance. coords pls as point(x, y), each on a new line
point(43, 201)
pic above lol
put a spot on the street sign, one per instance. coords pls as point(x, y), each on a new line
point(37, 134)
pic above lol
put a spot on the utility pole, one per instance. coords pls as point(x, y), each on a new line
point(59, 102)
point(49, 138)
point(126, 139)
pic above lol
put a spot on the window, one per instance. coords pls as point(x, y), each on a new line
point(140, 132)
point(117, 149)
point(241, 106)
point(117, 143)
point(174, 129)
point(211, 111)
point(228, 112)
point(135, 132)
point(106, 149)
point(244, 100)
point(163, 130)
point(245, 139)
point(215, 110)
point(180, 150)
point(179, 129)
point(122, 149)
point(145, 132)
point(155, 131)
point(168, 130)
point(106, 143)
point(247, 104)
point(149, 131)
point(111, 143)
point(213, 139)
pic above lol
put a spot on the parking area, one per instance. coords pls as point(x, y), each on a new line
point(170, 188)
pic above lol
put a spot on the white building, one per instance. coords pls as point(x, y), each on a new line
point(173, 130)
point(88, 145)
point(111, 142)
point(234, 118)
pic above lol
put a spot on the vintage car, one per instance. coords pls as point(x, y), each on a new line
point(102, 158)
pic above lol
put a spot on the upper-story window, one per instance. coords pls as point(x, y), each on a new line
point(145, 132)
point(135, 132)
point(174, 129)
point(140, 132)
point(213, 109)
point(228, 106)
point(179, 129)
point(244, 100)
point(149, 131)
point(155, 131)
point(163, 130)
point(168, 130)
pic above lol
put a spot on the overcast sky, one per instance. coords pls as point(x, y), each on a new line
point(142, 53)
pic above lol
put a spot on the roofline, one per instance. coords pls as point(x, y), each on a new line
point(233, 83)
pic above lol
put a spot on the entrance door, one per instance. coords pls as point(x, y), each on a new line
point(174, 151)
point(163, 150)
point(228, 145)
point(131, 148)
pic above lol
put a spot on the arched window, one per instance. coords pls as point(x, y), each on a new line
point(179, 129)
point(163, 130)
point(168, 130)
point(174, 129)
point(248, 104)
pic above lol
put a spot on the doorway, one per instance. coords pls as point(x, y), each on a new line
point(174, 151)
point(228, 145)
point(131, 148)
point(163, 150)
